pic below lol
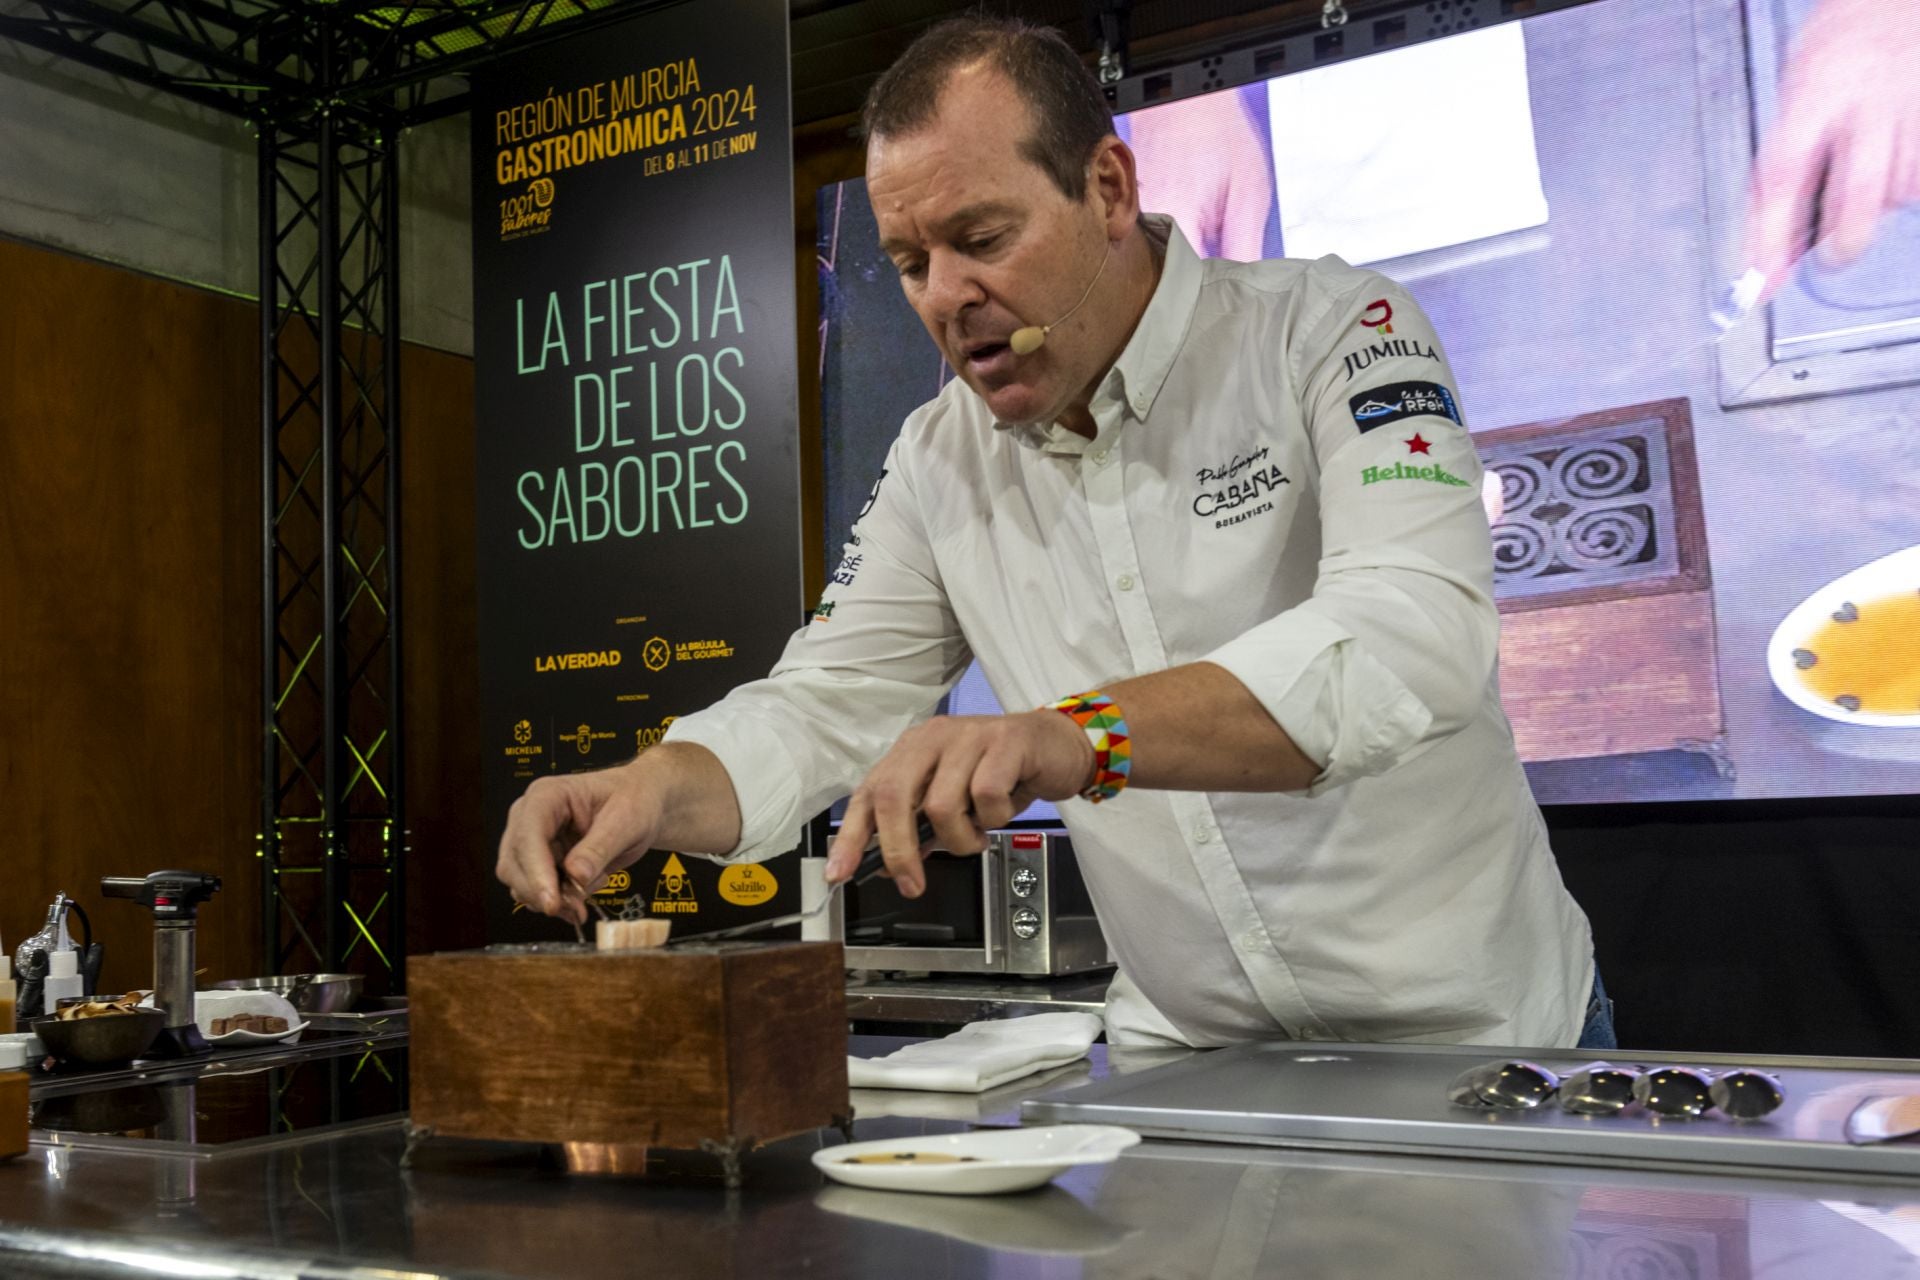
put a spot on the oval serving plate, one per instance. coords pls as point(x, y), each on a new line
point(1878, 579)
point(980, 1162)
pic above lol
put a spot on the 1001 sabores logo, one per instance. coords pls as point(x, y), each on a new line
point(529, 213)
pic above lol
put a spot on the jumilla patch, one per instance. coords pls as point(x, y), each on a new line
point(1401, 471)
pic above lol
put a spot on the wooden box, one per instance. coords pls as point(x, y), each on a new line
point(719, 1046)
point(13, 1113)
point(1607, 644)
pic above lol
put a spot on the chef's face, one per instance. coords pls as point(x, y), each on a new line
point(986, 243)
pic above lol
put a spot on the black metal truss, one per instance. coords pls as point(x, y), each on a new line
point(329, 87)
point(333, 830)
point(395, 62)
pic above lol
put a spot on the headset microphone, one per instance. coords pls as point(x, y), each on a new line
point(1029, 340)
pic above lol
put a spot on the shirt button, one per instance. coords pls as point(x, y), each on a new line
point(1202, 835)
point(1124, 582)
point(1100, 458)
point(1251, 942)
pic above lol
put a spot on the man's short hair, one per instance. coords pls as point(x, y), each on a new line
point(1070, 113)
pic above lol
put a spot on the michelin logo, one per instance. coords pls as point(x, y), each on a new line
point(1381, 405)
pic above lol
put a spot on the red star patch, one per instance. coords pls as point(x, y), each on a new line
point(1417, 445)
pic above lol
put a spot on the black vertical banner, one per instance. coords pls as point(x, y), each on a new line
point(637, 410)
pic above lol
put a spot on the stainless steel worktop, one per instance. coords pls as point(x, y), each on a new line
point(951, 1000)
point(1166, 1209)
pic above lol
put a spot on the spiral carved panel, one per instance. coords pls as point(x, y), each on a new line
point(1593, 507)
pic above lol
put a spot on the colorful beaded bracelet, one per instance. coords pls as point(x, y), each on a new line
point(1099, 716)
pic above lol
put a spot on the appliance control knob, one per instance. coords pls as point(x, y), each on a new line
point(1025, 881)
point(1026, 923)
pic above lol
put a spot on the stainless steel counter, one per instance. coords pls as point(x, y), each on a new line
point(1166, 1209)
point(953, 1000)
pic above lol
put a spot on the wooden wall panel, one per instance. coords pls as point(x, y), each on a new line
point(450, 865)
point(130, 604)
point(129, 588)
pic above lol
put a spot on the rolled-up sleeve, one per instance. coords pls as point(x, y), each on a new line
point(1394, 650)
point(881, 649)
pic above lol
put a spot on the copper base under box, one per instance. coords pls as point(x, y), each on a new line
point(719, 1046)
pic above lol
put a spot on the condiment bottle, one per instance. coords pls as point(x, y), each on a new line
point(63, 978)
point(7, 1012)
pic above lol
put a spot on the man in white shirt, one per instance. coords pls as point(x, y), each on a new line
point(1231, 515)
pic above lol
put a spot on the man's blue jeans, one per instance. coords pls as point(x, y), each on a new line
point(1598, 1031)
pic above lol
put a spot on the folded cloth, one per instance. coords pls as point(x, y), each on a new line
point(980, 1055)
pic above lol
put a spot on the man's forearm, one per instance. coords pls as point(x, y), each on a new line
point(699, 810)
point(1197, 728)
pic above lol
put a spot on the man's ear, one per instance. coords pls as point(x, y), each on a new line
point(1113, 181)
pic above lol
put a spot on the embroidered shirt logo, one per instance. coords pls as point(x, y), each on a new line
point(1238, 489)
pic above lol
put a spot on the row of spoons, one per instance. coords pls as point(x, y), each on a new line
point(1603, 1089)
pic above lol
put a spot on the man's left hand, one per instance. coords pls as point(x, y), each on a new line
point(968, 775)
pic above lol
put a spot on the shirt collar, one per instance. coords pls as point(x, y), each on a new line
point(1137, 376)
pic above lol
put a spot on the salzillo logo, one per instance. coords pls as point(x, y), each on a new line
point(1378, 407)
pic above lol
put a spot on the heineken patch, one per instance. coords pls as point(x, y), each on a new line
point(1401, 471)
point(1381, 405)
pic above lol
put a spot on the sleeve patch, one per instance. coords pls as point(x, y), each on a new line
point(1382, 405)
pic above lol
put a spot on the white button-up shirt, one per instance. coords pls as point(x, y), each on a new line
point(1279, 483)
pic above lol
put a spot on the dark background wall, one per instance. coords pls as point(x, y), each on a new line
point(1780, 927)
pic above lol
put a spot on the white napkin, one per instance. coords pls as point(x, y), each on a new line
point(980, 1055)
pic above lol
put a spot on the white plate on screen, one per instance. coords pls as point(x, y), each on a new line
point(1890, 575)
point(981, 1162)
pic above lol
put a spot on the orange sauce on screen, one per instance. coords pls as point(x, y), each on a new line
point(1870, 662)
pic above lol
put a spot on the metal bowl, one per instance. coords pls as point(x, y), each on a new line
point(98, 1042)
point(307, 992)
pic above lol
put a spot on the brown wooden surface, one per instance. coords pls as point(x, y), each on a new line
point(129, 572)
point(13, 1113)
point(450, 859)
point(1611, 677)
point(787, 1039)
point(130, 609)
point(665, 1048)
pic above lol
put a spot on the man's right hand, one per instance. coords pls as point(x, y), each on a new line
point(570, 831)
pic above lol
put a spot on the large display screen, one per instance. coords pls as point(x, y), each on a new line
point(1705, 512)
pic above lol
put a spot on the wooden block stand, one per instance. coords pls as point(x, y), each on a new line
point(718, 1047)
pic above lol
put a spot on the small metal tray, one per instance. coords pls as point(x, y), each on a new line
point(380, 1013)
point(1393, 1098)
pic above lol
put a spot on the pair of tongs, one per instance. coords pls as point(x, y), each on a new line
point(871, 865)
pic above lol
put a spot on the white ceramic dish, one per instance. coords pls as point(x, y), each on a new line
point(289, 1036)
point(208, 1005)
point(1000, 1159)
point(1886, 576)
